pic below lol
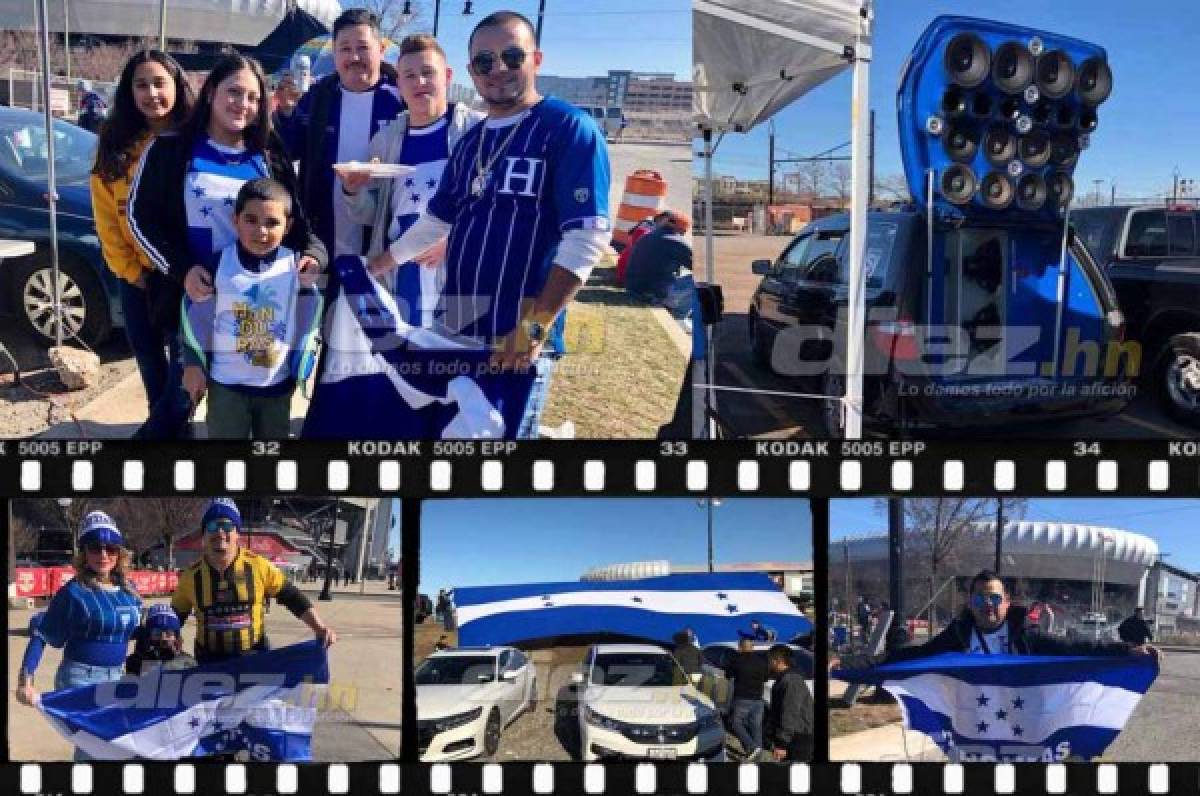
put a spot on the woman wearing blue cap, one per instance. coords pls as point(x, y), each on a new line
point(92, 617)
point(159, 644)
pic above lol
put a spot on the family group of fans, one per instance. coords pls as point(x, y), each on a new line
point(95, 616)
point(230, 228)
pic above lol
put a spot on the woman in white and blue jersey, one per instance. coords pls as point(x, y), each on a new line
point(92, 617)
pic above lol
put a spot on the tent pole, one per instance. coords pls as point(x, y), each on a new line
point(710, 277)
point(51, 192)
point(859, 191)
point(162, 25)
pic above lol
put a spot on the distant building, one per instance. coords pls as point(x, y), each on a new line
point(654, 104)
point(794, 578)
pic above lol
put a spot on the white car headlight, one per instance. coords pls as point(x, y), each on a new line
point(457, 720)
point(598, 720)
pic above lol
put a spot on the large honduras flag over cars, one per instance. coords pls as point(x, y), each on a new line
point(255, 707)
point(715, 606)
point(384, 376)
point(1015, 707)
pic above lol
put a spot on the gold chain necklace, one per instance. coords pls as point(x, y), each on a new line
point(482, 171)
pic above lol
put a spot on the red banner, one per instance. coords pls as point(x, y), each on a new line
point(44, 581)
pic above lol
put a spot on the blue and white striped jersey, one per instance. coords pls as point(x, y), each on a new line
point(215, 175)
point(551, 176)
point(94, 624)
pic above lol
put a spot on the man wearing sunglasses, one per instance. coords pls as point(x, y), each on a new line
point(992, 625)
point(524, 202)
point(227, 589)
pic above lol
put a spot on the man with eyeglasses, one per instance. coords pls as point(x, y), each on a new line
point(524, 203)
point(227, 588)
point(992, 625)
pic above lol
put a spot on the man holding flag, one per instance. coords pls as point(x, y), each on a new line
point(990, 687)
point(523, 202)
point(227, 589)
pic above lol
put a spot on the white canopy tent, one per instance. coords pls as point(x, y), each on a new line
point(754, 57)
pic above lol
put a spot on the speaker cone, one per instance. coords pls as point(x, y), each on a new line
point(1063, 151)
point(996, 191)
point(958, 184)
point(1034, 149)
point(1088, 120)
point(1043, 112)
point(967, 60)
point(1064, 115)
point(999, 145)
point(1055, 74)
point(981, 105)
point(1059, 189)
point(1094, 83)
point(954, 102)
point(1031, 191)
point(961, 142)
point(1012, 67)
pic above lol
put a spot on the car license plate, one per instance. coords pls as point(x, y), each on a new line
point(660, 753)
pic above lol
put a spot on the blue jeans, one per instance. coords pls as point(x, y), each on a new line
point(532, 419)
point(72, 674)
point(160, 364)
point(746, 722)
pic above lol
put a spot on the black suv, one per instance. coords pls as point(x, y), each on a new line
point(1152, 258)
point(967, 333)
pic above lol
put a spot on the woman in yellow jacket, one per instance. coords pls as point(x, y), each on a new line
point(152, 96)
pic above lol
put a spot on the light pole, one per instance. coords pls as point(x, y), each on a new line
point(326, 590)
point(64, 505)
point(709, 504)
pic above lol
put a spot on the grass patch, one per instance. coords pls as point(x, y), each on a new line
point(621, 378)
point(863, 716)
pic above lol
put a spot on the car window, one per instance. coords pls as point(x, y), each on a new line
point(517, 660)
point(1097, 229)
point(1181, 233)
point(715, 656)
point(456, 670)
point(634, 669)
point(822, 263)
point(1147, 234)
point(23, 150)
point(881, 240)
point(504, 659)
point(794, 258)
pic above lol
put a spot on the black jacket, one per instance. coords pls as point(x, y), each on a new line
point(790, 715)
point(690, 659)
point(749, 674)
point(158, 220)
point(1135, 631)
point(1024, 641)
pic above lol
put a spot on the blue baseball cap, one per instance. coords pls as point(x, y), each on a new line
point(221, 508)
point(161, 616)
point(99, 528)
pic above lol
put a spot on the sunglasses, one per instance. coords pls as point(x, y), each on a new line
point(484, 62)
point(212, 526)
point(111, 549)
point(980, 600)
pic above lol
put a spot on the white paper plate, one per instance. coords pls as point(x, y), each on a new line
point(374, 169)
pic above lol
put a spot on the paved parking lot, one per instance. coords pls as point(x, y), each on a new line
point(760, 415)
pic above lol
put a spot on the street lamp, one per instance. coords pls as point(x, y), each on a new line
point(709, 504)
point(64, 505)
point(326, 592)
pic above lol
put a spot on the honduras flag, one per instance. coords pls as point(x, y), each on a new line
point(255, 707)
point(1015, 707)
point(714, 606)
point(383, 375)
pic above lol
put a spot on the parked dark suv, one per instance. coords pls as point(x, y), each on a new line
point(967, 333)
point(1152, 258)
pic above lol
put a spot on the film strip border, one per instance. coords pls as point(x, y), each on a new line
point(474, 468)
point(610, 778)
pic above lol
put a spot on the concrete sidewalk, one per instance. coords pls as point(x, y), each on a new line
point(366, 680)
point(888, 744)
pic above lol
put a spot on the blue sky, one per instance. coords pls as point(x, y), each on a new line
point(1147, 127)
point(499, 541)
point(582, 39)
point(1171, 523)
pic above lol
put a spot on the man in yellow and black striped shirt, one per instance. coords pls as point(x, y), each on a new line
point(227, 589)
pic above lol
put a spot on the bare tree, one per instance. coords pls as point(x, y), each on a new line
point(938, 530)
point(842, 179)
point(891, 188)
point(810, 177)
point(147, 522)
point(393, 22)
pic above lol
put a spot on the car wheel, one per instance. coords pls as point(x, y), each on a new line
point(833, 386)
point(759, 346)
point(1177, 379)
point(84, 300)
point(491, 733)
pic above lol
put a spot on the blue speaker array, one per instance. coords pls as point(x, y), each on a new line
point(1000, 114)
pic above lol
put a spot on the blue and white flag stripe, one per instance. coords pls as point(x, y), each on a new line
point(715, 606)
point(1015, 707)
point(261, 706)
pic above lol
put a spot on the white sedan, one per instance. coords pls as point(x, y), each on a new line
point(635, 702)
point(467, 696)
